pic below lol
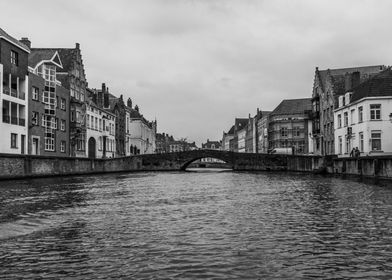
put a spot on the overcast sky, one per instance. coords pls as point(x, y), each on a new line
point(195, 65)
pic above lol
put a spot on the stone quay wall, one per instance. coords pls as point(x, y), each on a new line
point(26, 166)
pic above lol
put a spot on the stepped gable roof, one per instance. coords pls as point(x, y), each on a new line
point(293, 106)
point(338, 75)
point(39, 55)
point(378, 85)
point(4, 35)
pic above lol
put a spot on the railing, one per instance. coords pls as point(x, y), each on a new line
point(6, 90)
point(14, 120)
point(14, 92)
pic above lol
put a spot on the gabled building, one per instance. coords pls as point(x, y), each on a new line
point(328, 85)
point(239, 134)
point(262, 132)
point(227, 136)
point(48, 105)
point(72, 77)
point(14, 82)
point(211, 145)
point(101, 125)
point(290, 124)
point(363, 118)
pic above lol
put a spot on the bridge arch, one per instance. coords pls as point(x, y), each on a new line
point(192, 156)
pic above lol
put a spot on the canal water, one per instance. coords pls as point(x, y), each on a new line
point(195, 225)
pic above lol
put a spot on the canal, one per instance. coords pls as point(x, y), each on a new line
point(195, 225)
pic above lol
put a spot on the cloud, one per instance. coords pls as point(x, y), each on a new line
point(198, 64)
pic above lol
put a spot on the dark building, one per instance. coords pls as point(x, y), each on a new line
point(290, 124)
point(48, 105)
point(72, 77)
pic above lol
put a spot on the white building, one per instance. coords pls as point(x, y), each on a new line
point(140, 133)
point(241, 140)
point(363, 118)
point(101, 130)
point(13, 94)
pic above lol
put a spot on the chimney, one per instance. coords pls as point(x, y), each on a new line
point(355, 79)
point(95, 97)
point(106, 98)
point(347, 82)
point(100, 97)
point(129, 102)
point(137, 108)
point(26, 42)
point(77, 46)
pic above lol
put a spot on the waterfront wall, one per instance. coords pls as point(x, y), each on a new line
point(24, 166)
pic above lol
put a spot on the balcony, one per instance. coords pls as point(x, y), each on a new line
point(6, 119)
point(14, 120)
point(22, 122)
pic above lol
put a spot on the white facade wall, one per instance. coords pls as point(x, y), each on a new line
point(241, 140)
point(361, 136)
point(226, 142)
point(101, 124)
point(8, 129)
point(142, 136)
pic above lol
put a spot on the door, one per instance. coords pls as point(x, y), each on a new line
point(91, 147)
point(34, 148)
point(22, 144)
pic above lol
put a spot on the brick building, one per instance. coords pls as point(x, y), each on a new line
point(48, 105)
point(290, 124)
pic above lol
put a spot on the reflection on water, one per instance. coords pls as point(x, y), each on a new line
point(210, 225)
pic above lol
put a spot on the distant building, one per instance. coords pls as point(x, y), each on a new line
point(239, 134)
point(289, 125)
point(227, 136)
point(327, 87)
point(262, 132)
point(363, 118)
point(14, 82)
point(181, 146)
point(101, 125)
point(163, 141)
point(48, 105)
point(142, 132)
point(211, 145)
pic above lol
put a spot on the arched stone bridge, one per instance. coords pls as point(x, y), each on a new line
point(238, 161)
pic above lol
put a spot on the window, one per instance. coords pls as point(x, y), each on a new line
point(339, 121)
point(62, 104)
point(14, 140)
point(100, 125)
point(345, 119)
point(375, 111)
point(100, 143)
point(62, 146)
point(352, 116)
point(284, 132)
point(62, 125)
point(297, 131)
point(77, 116)
point(56, 122)
point(49, 144)
point(88, 121)
point(35, 95)
point(376, 140)
point(347, 144)
point(360, 114)
point(14, 58)
point(361, 144)
point(35, 118)
point(73, 116)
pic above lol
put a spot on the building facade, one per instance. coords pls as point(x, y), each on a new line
point(227, 136)
point(290, 124)
point(211, 145)
point(101, 126)
point(262, 132)
point(328, 85)
point(14, 82)
point(48, 106)
point(363, 118)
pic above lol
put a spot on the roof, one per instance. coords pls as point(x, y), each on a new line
point(38, 55)
point(337, 76)
point(4, 35)
point(378, 85)
point(293, 106)
point(66, 55)
point(240, 123)
point(231, 130)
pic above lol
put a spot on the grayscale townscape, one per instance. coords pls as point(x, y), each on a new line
point(196, 139)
